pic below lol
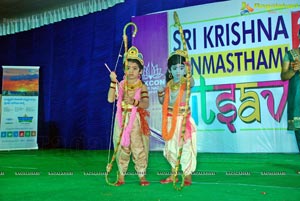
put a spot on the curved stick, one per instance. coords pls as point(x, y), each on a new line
point(110, 164)
point(125, 36)
point(187, 99)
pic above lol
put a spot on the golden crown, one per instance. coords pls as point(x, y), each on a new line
point(180, 53)
point(133, 53)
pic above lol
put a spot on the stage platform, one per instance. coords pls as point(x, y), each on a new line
point(63, 175)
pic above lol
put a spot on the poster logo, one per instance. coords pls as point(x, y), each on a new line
point(3, 134)
point(152, 71)
point(25, 119)
point(246, 8)
point(152, 76)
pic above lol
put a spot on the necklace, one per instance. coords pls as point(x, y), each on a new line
point(133, 86)
point(176, 86)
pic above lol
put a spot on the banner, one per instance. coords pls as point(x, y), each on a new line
point(19, 110)
point(236, 50)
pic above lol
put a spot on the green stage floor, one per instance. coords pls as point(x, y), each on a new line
point(79, 175)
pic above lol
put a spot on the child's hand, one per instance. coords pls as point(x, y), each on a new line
point(113, 77)
point(296, 65)
point(128, 100)
point(161, 89)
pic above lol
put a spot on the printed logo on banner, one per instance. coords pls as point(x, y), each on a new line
point(9, 134)
point(152, 71)
point(3, 134)
point(16, 133)
point(27, 133)
point(33, 133)
point(25, 119)
point(246, 8)
point(21, 133)
point(152, 76)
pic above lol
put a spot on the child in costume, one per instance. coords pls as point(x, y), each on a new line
point(130, 122)
point(173, 98)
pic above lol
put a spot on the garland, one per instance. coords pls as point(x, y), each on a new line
point(167, 135)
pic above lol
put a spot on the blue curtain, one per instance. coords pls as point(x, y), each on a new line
point(73, 108)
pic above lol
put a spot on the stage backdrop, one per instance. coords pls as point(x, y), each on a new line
point(20, 88)
point(235, 49)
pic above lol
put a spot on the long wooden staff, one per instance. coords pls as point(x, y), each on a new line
point(117, 146)
point(186, 109)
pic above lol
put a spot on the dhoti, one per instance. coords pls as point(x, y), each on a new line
point(139, 148)
point(188, 160)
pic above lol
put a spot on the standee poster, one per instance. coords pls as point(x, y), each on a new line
point(19, 110)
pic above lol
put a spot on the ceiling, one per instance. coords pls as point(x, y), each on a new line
point(22, 8)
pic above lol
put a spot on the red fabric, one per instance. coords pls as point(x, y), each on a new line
point(144, 123)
